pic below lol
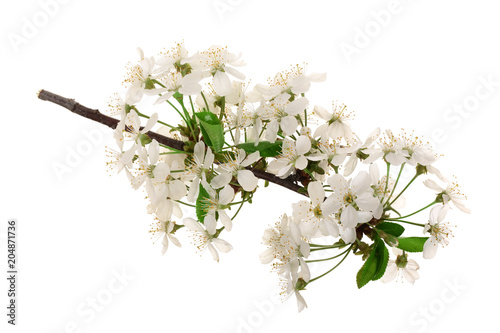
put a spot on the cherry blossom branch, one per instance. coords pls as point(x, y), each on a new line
point(96, 116)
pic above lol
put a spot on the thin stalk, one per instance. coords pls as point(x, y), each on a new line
point(349, 250)
point(395, 184)
point(407, 222)
point(206, 103)
point(418, 211)
point(147, 117)
point(192, 105)
point(336, 256)
point(239, 208)
point(407, 185)
point(387, 177)
point(185, 203)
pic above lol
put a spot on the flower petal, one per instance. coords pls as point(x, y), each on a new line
point(289, 124)
point(222, 84)
point(225, 220)
point(303, 145)
point(316, 192)
point(430, 248)
point(210, 223)
point(349, 217)
point(226, 195)
point(222, 245)
point(247, 180)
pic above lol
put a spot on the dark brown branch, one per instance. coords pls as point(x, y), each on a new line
point(287, 183)
point(95, 115)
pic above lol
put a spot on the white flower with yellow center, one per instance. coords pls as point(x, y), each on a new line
point(402, 266)
point(139, 79)
point(286, 247)
point(236, 167)
point(175, 82)
point(145, 165)
point(220, 62)
point(356, 201)
point(333, 153)
point(315, 215)
point(292, 156)
point(165, 230)
point(293, 82)
point(217, 202)
point(287, 250)
point(419, 151)
point(172, 59)
point(450, 193)
point(202, 161)
point(165, 184)
point(119, 160)
point(241, 120)
point(336, 126)
point(361, 151)
point(391, 149)
point(282, 114)
point(129, 128)
point(440, 232)
point(203, 239)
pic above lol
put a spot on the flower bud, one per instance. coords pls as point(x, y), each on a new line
point(301, 284)
point(144, 139)
point(402, 260)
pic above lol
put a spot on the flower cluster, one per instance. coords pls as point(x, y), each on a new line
point(218, 136)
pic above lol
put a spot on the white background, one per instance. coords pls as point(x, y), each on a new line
point(75, 234)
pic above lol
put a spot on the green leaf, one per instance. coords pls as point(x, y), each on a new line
point(375, 265)
point(265, 148)
point(367, 271)
point(391, 228)
point(212, 130)
point(412, 244)
point(202, 196)
point(383, 259)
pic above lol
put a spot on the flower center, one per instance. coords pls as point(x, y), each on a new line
point(349, 199)
point(317, 212)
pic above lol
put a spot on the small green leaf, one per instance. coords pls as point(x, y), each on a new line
point(265, 148)
point(367, 271)
point(202, 196)
point(412, 244)
point(212, 129)
point(375, 265)
point(391, 228)
point(383, 259)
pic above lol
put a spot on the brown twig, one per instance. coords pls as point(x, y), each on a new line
point(96, 116)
